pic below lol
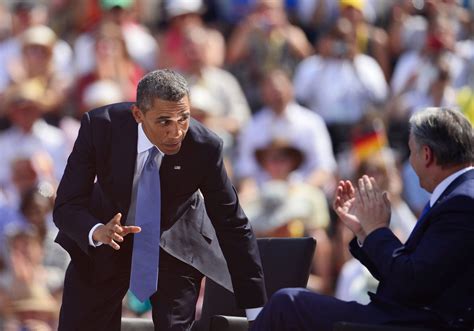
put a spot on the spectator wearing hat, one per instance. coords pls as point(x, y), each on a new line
point(282, 207)
point(26, 14)
point(29, 134)
point(32, 308)
point(31, 256)
point(282, 118)
point(183, 15)
point(25, 267)
point(36, 62)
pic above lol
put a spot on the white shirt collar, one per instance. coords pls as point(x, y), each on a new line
point(143, 143)
point(445, 183)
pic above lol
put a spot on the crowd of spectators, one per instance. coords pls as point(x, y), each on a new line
point(303, 92)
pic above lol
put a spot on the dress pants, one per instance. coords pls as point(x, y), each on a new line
point(92, 299)
point(296, 309)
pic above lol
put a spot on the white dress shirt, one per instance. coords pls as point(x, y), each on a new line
point(441, 187)
point(340, 90)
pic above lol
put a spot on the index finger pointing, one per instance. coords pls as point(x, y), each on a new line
point(131, 229)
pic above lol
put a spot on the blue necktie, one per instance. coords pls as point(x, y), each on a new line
point(425, 210)
point(146, 244)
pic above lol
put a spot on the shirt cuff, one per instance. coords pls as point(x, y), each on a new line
point(92, 242)
point(252, 313)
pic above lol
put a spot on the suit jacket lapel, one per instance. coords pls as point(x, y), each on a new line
point(124, 156)
point(424, 221)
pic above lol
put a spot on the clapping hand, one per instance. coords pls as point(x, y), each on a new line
point(362, 209)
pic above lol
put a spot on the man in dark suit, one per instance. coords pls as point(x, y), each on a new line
point(427, 281)
point(203, 229)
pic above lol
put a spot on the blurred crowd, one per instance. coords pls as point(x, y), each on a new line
point(302, 92)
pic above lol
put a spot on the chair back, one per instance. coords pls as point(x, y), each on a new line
point(286, 262)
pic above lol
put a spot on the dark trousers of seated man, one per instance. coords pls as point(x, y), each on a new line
point(296, 309)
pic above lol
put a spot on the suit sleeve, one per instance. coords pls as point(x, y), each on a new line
point(71, 211)
point(235, 234)
point(444, 252)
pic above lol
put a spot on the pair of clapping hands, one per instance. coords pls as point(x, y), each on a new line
point(362, 208)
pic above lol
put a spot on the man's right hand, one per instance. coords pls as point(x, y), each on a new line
point(362, 209)
point(113, 232)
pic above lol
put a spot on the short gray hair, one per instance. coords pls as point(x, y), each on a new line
point(446, 132)
point(162, 84)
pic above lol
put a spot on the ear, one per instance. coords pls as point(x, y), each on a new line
point(428, 156)
point(137, 114)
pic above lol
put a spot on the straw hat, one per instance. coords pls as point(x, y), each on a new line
point(280, 146)
point(34, 298)
point(27, 92)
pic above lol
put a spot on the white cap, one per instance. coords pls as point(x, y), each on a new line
point(101, 93)
point(39, 35)
point(180, 7)
point(203, 100)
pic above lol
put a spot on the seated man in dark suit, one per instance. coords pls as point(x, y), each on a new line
point(145, 200)
point(428, 281)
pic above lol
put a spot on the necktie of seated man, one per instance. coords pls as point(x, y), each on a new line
point(146, 244)
point(425, 210)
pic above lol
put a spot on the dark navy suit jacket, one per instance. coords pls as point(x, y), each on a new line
point(434, 269)
point(202, 222)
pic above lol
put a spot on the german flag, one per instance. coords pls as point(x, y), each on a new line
point(366, 145)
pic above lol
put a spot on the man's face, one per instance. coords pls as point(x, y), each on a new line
point(165, 123)
point(24, 114)
point(277, 91)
